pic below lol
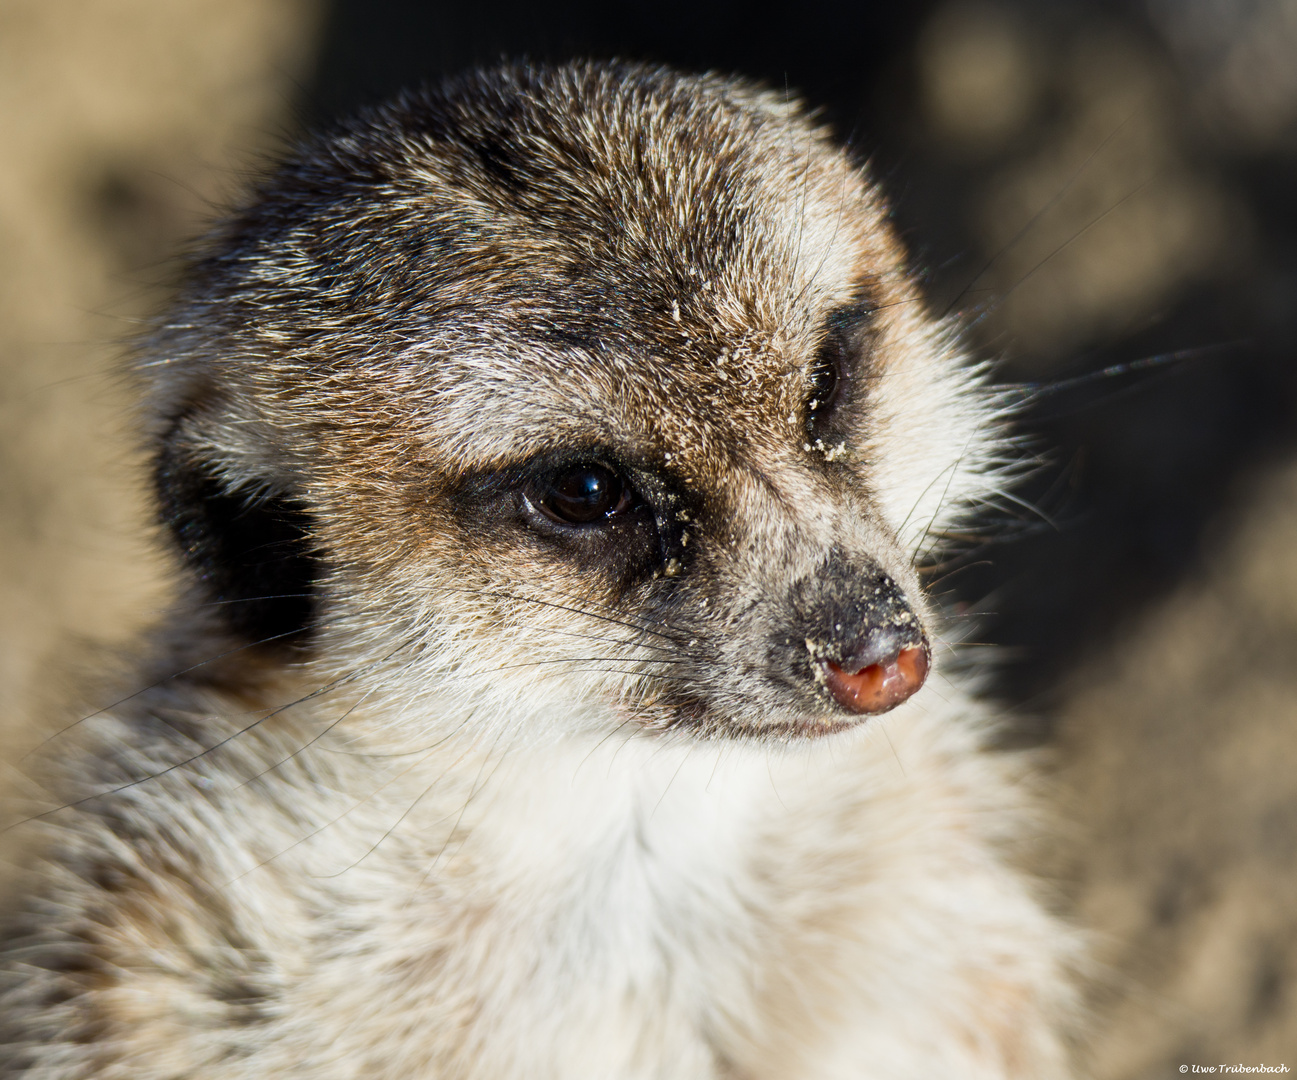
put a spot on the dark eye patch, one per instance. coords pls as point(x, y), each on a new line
point(836, 365)
point(585, 507)
point(826, 379)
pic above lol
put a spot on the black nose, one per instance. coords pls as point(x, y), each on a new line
point(865, 645)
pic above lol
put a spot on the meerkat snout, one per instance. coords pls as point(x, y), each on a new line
point(866, 645)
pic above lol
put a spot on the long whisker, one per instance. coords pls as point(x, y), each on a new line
point(318, 692)
point(949, 572)
point(1030, 393)
point(613, 641)
point(404, 814)
point(307, 745)
point(951, 469)
point(627, 619)
point(801, 197)
point(655, 676)
point(1077, 236)
point(1035, 218)
point(824, 256)
point(181, 608)
point(577, 611)
point(941, 503)
point(665, 789)
point(329, 824)
point(594, 749)
point(478, 785)
point(580, 660)
point(1031, 508)
point(153, 686)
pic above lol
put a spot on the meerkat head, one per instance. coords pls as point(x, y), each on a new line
point(599, 394)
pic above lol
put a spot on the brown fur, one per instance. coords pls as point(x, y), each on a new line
point(474, 791)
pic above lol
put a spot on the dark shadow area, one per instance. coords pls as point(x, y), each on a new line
point(1035, 154)
point(832, 53)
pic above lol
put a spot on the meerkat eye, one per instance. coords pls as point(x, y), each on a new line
point(585, 495)
point(826, 382)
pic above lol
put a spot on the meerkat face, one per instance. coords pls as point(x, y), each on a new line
point(597, 394)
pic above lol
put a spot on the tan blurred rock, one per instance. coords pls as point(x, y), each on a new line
point(122, 121)
point(1178, 757)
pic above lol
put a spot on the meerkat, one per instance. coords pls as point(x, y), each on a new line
point(550, 459)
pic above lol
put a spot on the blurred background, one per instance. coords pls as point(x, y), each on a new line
point(1094, 186)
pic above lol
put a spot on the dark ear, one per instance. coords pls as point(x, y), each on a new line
point(251, 550)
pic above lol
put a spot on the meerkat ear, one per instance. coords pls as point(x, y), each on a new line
point(251, 549)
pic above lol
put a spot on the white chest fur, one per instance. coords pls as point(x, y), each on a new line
point(637, 909)
point(590, 911)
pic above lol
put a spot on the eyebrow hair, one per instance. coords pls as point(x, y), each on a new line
point(854, 311)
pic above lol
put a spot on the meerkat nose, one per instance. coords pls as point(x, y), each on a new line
point(878, 676)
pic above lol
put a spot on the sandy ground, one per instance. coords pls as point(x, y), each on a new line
point(1173, 768)
point(1176, 765)
point(122, 123)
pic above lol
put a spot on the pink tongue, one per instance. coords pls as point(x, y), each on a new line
point(878, 687)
